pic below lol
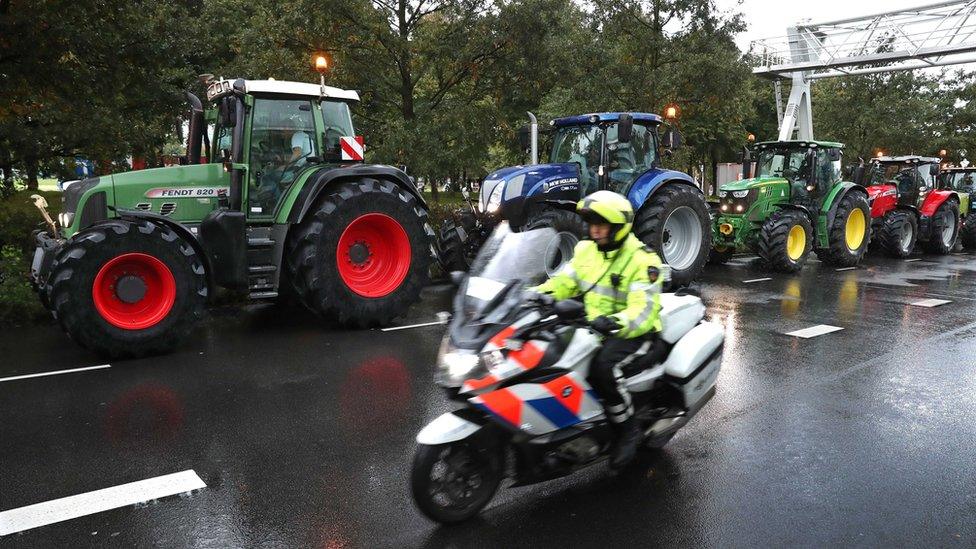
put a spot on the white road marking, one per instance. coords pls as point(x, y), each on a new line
point(845, 269)
point(89, 503)
point(814, 331)
point(57, 372)
point(916, 259)
point(930, 302)
point(756, 280)
point(394, 328)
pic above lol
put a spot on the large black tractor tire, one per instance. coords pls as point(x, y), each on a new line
point(675, 223)
point(469, 498)
point(571, 229)
point(943, 229)
point(785, 241)
point(452, 243)
point(127, 289)
point(362, 254)
point(849, 235)
point(898, 233)
point(968, 233)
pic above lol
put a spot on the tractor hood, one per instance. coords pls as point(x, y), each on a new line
point(519, 182)
point(746, 184)
point(876, 190)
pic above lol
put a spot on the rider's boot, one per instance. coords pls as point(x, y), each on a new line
point(625, 447)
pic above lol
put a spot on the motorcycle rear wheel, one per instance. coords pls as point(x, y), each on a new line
point(453, 482)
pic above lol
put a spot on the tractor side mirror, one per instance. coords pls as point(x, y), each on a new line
point(625, 128)
point(524, 138)
point(746, 158)
point(834, 155)
point(226, 111)
point(934, 169)
point(671, 139)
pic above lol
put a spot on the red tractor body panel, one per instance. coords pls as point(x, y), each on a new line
point(933, 200)
point(883, 199)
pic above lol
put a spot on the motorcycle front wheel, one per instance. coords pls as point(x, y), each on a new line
point(453, 482)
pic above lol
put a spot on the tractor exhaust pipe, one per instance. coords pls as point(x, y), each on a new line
point(534, 133)
point(194, 138)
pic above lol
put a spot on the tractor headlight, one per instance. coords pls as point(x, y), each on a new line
point(495, 198)
point(724, 207)
point(723, 194)
point(65, 219)
point(740, 194)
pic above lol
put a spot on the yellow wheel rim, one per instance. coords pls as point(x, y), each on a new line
point(796, 242)
point(856, 225)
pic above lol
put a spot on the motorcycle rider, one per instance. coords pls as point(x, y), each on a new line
point(620, 281)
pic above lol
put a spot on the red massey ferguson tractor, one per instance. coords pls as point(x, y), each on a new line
point(908, 208)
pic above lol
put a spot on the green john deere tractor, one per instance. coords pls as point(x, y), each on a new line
point(795, 202)
point(273, 201)
point(963, 181)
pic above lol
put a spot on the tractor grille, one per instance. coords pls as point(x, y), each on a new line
point(94, 209)
point(167, 208)
point(738, 206)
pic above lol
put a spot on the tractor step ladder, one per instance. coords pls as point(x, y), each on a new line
point(262, 263)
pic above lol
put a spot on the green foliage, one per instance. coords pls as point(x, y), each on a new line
point(18, 302)
point(19, 217)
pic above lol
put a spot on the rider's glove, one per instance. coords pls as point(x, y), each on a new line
point(539, 298)
point(605, 325)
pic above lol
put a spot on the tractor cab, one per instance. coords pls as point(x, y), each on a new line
point(266, 132)
point(810, 168)
point(962, 180)
point(911, 177)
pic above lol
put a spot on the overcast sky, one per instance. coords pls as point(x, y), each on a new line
point(769, 18)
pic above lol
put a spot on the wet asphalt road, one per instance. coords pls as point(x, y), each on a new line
point(304, 434)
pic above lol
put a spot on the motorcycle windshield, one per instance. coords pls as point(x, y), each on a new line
point(490, 296)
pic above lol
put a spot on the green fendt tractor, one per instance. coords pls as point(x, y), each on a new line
point(275, 200)
point(963, 181)
point(795, 202)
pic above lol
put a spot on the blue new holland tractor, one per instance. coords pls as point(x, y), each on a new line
point(616, 151)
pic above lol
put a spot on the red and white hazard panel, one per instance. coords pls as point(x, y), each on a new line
point(352, 148)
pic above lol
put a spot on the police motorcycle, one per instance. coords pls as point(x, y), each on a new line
point(518, 369)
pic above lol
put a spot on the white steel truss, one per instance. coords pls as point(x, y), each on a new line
point(927, 36)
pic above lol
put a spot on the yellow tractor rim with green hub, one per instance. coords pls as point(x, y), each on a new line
point(855, 231)
point(796, 242)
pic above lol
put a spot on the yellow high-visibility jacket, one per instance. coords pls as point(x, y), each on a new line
point(624, 284)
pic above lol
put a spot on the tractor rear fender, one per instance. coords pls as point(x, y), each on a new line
point(180, 229)
point(934, 200)
point(655, 179)
point(313, 185)
point(836, 195)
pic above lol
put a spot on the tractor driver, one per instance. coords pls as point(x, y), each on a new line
point(620, 282)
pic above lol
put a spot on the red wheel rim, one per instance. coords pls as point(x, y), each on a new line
point(134, 291)
point(373, 255)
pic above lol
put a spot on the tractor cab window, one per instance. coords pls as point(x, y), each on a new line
point(792, 164)
point(828, 171)
point(580, 144)
point(338, 123)
point(905, 176)
point(629, 160)
point(964, 182)
point(282, 139)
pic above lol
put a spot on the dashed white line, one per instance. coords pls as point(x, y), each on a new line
point(845, 269)
point(55, 373)
point(421, 325)
point(814, 331)
point(930, 302)
point(756, 280)
point(89, 503)
point(915, 259)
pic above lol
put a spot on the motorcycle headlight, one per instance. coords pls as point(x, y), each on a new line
point(740, 194)
point(457, 365)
